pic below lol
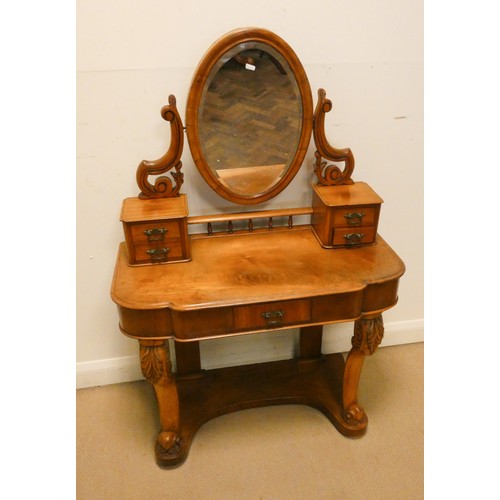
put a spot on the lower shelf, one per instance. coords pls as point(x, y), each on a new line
point(209, 394)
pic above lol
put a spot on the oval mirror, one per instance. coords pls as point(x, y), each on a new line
point(249, 115)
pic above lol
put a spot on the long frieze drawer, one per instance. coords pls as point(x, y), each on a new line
point(166, 251)
point(271, 314)
point(155, 231)
point(355, 216)
point(353, 236)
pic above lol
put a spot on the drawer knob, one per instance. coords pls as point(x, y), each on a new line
point(353, 238)
point(156, 234)
point(273, 317)
point(354, 218)
point(158, 253)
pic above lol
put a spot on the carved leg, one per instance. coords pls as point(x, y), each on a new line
point(368, 333)
point(157, 369)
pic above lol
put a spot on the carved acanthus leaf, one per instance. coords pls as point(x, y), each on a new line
point(151, 364)
point(368, 334)
point(155, 362)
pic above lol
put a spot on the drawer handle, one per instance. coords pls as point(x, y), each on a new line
point(273, 317)
point(156, 234)
point(158, 253)
point(354, 218)
point(353, 238)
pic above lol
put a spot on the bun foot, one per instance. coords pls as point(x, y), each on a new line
point(355, 416)
point(168, 445)
point(168, 440)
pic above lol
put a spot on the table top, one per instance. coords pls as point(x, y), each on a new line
point(252, 268)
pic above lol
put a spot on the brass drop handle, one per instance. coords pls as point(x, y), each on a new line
point(353, 238)
point(156, 234)
point(158, 253)
point(273, 318)
point(354, 218)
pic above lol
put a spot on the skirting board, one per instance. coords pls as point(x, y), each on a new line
point(245, 349)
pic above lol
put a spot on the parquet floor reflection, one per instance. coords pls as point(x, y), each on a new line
point(250, 118)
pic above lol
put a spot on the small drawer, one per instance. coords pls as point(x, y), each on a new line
point(166, 251)
point(271, 314)
point(154, 232)
point(355, 216)
point(353, 236)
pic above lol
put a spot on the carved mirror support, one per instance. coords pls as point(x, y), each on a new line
point(329, 175)
point(163, 186)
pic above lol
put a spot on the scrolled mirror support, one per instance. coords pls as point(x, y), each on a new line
point(329, 175)
point(163, 186)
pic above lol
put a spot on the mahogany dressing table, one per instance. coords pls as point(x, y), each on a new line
point(249, 121)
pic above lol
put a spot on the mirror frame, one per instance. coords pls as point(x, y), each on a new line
point(211, 57)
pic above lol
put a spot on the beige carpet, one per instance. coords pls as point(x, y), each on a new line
point(281, 452)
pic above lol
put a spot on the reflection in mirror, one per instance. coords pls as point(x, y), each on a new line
point(250, 120)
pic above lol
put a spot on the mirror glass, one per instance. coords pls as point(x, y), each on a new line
point(250, 118)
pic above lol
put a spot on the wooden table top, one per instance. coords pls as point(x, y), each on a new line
point(252, 268)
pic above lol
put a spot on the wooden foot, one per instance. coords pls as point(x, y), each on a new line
point(368, 333)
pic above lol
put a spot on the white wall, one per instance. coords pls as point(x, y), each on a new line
point(131, 55)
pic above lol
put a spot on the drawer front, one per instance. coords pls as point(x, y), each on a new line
point(356, 216)
point(166, 251)
point(354, 236)
point(154, 232)
point(271, 314)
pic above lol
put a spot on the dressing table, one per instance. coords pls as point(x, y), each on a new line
point(249, 122)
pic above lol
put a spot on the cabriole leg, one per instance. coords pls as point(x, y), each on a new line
point(368, 333)
point(157, 369)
